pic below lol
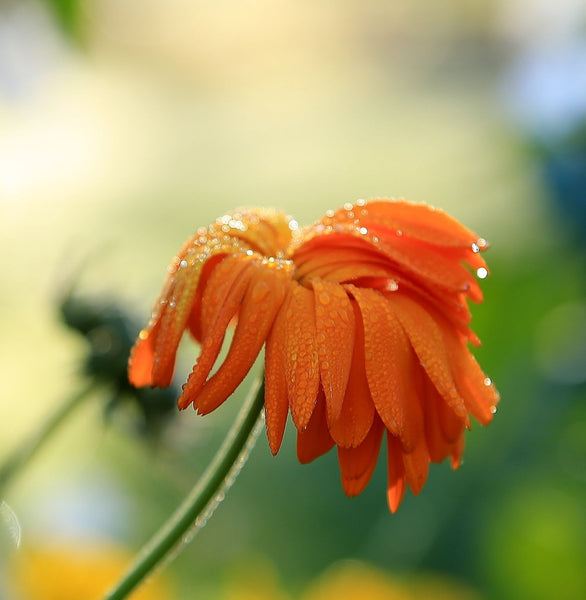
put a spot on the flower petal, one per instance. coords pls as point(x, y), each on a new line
point(301, 360)
point(420, 221)
point(276, 395)
point(479, 393)
point(428, 343)
point(225, 310)
point(357, 464)
point(397, 485)
point(355, 419)
point(389, 367)
point(416, 465)
point(260, 305)
point(334, 325)
point(315, 439)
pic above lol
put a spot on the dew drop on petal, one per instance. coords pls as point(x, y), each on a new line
point(475, 248)
point(348, 206)
point(324, 298)
point(481, 243)
point(183, 264)
point(482, 273)
point(143, 335)
point(487, 381)
point(493, 409)
point(363, 230)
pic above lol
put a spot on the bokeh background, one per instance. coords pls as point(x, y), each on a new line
point(127, 124)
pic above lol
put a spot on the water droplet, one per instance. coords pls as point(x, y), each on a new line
point(348, 206)
point(482, 273)
point(183, 264)
point(487, 381)
point(399, 233)
point(493, 409)
point(482, 243)
point(363, 230)
point(475, 248)
point(329, 213)
point(172, 304)
point(392, 286)
point(324, 297)
point(360, 202)
point(144, 334)
point(260, 291)
point(293, 225)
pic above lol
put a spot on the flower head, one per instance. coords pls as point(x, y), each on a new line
point(366, 324)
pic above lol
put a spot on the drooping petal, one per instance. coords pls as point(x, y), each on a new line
point(423, 261)
point(260, 305)
point(428, 343)
point(156, 348)
point(389, 365)
point(212, 343)
point(397, 483)
point(314, 440)
point(357, 464)
point(276, 395)
point(355, 419)
point(301, 360)
point(479, 393)
point(420, 221)
point(334, 325)
point(416, 465)
point(444, 431)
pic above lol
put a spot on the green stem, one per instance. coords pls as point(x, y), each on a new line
point(217, 473)
point(26, 451)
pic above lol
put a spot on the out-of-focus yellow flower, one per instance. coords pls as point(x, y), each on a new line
point(67, 571)
point(352, 580)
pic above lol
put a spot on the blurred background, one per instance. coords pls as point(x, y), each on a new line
point(125, 125)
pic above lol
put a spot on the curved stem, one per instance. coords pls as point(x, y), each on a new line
point(20, 457)
point(218, 471)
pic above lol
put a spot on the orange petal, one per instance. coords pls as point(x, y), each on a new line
point(416, 220)
point(212, 344)
point(457, 452)
point(142, 358)
point(357, 414)
point(479, 393)
point(334, 325)
point(314, 440)
point(276, 398)
point(417, 466)
point(228, 274)
point(396, 473)
point(422, 260)
point(301, 364)
point(260, 305)
point(428, 343)
point(357, 464)
point(389, 367)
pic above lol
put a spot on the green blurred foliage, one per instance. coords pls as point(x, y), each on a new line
point(407, 107)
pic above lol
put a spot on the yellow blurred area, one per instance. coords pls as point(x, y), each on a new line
point(63, 571)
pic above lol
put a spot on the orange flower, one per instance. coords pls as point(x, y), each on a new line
point(366, 325)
